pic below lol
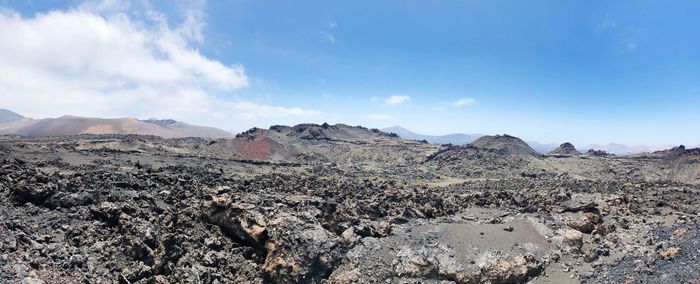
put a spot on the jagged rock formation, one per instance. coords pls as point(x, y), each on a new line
point(565, 149)
point(599, 153)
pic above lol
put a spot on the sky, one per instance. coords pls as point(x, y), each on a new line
point(589, 72)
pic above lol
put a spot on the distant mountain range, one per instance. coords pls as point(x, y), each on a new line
point(621, 149)
point(462, 139)
point(456, 139)
point(13, 123)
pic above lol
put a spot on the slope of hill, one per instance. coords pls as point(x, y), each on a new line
point(455, 139)
point(8, 116)
point(189, 130)
point(506, 143)
point(12, 123)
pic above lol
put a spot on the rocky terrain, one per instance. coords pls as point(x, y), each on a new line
point(341, 204)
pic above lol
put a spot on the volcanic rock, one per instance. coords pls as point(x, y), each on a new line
point(599, 153)
point(506, 144)
point(586, 224)
point(300, 251)
point(338, 204)
point(565, 149)
point(240, 221)
point(571, 240)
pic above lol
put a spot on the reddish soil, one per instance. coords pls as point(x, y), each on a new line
point(253, 150)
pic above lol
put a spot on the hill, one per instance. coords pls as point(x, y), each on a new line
point(505, 143)
point(338, 143)
point(565, 149)
point(16, 124)
point(8, 116)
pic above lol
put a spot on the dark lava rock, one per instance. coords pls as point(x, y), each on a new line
point(599, 153)
point(137, 209)
point(565, 149)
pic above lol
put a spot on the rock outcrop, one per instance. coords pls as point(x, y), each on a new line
point(565, 149)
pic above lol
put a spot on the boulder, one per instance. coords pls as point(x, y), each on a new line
point(586, 224)
point(299, 250)
point(570, 240)
point(240, 221)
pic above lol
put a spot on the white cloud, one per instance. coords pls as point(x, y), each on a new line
point(464, 102)
point(328, 37)
point(193, 25)
point(248, 110)
point(379, 116)
point(607, 24)
point(396, 100)
point(98, 60)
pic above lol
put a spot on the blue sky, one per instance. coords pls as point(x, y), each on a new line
point(551, 71)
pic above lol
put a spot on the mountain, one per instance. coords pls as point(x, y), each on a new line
point(456, 139)
point(9, 116)
point(189, 129)
point(621, 149)
point(9, 121)
point(73, 125)
point(565, 149)
point(508, 144)
point(540, 147)
point(462, 139)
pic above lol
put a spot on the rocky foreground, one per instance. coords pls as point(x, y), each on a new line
point(340, 204)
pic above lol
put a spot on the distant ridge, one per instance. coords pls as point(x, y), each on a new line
point(456, 139)
point(9, 116)
point(541, 147)
point(462, 139)
point(621, 149)
point(67, 125)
